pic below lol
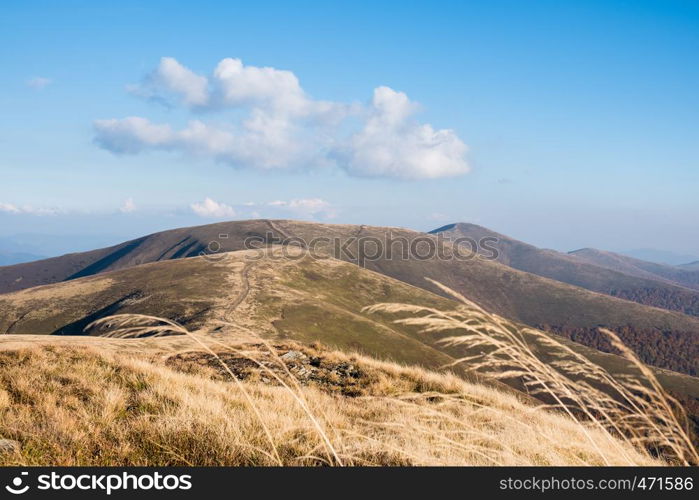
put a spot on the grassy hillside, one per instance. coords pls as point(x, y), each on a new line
point(96, 406)
point(301, 299)
point(279, 298)
point(680, 275)
point(663, 338)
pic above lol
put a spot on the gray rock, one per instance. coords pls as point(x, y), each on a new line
point(9, 446)
point(293, 356)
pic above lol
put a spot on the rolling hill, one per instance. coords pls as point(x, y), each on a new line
point(679, 275)
point(304, 300)
point(662, 338)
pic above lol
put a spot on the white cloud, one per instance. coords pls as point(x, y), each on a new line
point(264, 143)
point(39, 82)
point(281, 127)
point(131, 135)
point(210, 208)
point(310, 205)
point(232, 84)
point(306, 206)
point(26, 209)
point(241, 85)
point(128, 207)
point(9, 208)
point(391, 144)
point(171, 78)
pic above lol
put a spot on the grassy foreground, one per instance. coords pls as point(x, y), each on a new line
point(69, 405)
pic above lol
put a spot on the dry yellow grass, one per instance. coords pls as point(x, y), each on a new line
point(78, 405)
point(633, 409)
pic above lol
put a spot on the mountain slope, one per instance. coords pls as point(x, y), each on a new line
point(279, 296)
point(73, 406)
point(305, 303)
point(642, 286)
point(661, 338)
point(640, 268)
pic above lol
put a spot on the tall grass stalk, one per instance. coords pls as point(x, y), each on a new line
point(138, 325)
point(631, 409)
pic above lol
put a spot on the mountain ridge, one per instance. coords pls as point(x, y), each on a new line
point(640, 268)
point(657, 335)
point(643, 286)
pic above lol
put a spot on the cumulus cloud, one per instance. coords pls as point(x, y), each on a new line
point(131, 135)
point(313, 207)
point(264, 143)
point(213, 209)
point(172, 79)
point(306, 207)
point(282, 127)
point(39, 82)
point(9, 208)
point(241, 85)
point(391, 144)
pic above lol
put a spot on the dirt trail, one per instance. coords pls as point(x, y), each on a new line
point(14, 323)
point(276, 228)
point(245, 284)
point(284, 234)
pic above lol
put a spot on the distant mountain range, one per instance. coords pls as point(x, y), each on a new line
point(9, 258)
point(657, 285)
point(679, 275)
point(25, 247)
point(660, 256)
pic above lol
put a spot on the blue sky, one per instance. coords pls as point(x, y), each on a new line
point(565, 124)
